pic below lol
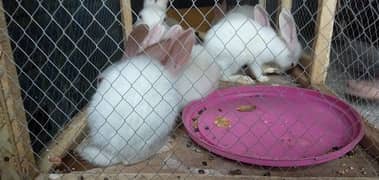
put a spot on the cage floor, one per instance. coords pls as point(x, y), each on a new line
point(186, 157)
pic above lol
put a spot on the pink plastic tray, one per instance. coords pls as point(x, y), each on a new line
point(288, 127)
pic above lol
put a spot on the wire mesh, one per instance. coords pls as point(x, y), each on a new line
point(354, 56)
point(70, 58)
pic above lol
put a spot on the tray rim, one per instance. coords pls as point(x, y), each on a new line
point(311, 160)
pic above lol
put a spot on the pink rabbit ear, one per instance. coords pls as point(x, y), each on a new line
point(173, 31)
point(180, 52)
point(160, 50)
point(287, 28)
point(154, 36)
point(261, 15)
point(135, 39)
point(173, 52)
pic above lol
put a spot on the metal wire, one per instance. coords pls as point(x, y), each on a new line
point(61, 47)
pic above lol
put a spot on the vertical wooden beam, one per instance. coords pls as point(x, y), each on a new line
point(324, 32)
point(8, 150)
point(263, 3)
point(126, 17)
point(13, 106)
point(286, 4)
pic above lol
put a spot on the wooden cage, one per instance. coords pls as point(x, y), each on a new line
point(17, 158)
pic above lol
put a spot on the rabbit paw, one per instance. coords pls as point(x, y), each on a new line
point(263, 78)
point(241, 79)
point(271, 70)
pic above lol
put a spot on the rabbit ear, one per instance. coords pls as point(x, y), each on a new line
point(173, 52)
point(181, 49)
point(135, 39)
point(174, 30)
point(287, 27)
point(157, 44)
point(219, 11)
point(261, 15)
point(160, 50)
point(153, 36)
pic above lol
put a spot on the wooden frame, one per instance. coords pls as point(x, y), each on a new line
point(324, 32)
point(13, 119)
point(126, 18)
point(88, 175)
point(16, 151)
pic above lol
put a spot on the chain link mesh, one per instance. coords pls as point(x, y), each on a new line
point(60, 48)
point(354, 55)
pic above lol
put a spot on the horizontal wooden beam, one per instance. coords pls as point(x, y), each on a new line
point(178, 176)
point(68, 137)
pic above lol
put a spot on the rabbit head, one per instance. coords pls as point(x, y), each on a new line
point(153, 12)
point(289, 56)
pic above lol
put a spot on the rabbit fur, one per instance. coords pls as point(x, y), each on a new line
point(136, 102)
point(153, 13)
point(242, 40)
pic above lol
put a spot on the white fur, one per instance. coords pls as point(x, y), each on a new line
point(131, 113)
point(240, 40)
point(153, 13)
point(200, 77)
point(136, 103)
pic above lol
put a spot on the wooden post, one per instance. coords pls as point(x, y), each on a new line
point(126, 17)
point(7, 142)
point(14, 125)
point(286, 4)
point(263, 3)
point(324, 32)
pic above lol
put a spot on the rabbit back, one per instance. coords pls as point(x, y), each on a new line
point(132, 111)
point(239, 37)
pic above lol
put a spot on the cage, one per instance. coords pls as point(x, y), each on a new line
point(52, 53)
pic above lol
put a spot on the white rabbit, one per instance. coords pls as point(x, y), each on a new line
point(153, 13)
point(136, 102)
point(201, 76)
point(253, 42)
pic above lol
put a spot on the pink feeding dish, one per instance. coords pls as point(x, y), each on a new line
point(275, 126)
